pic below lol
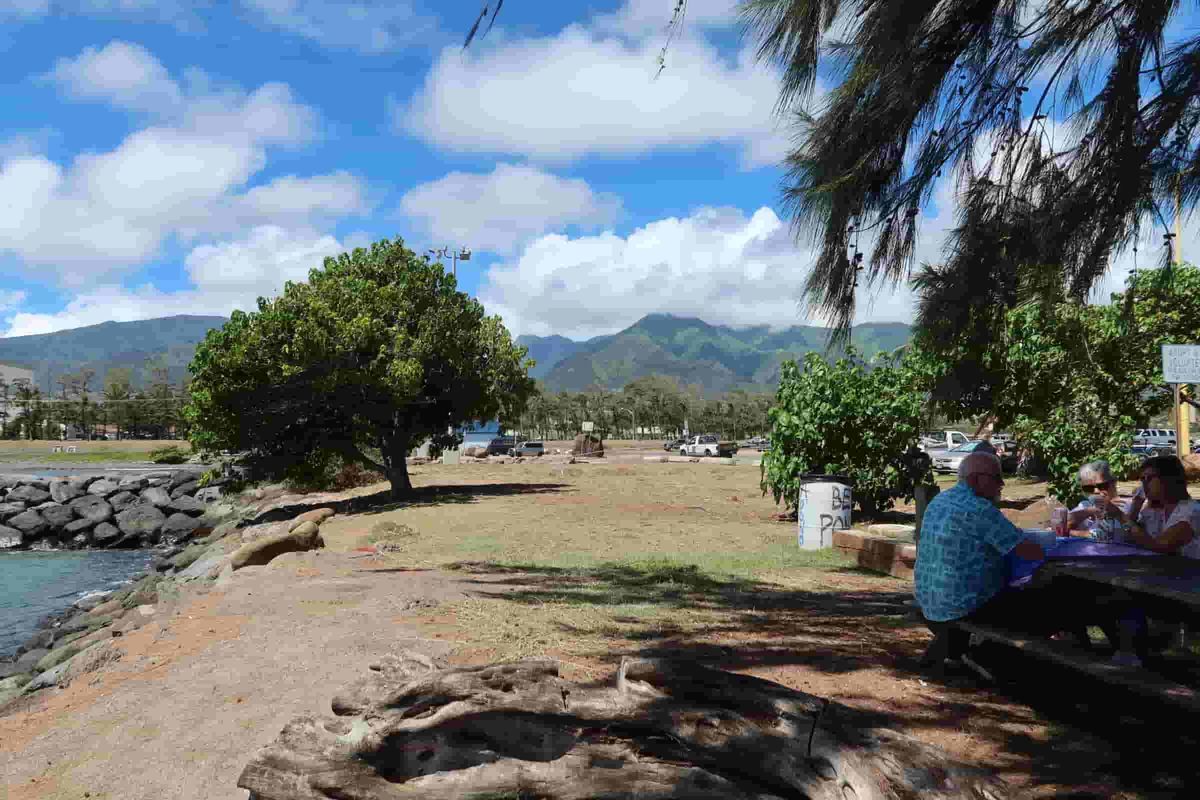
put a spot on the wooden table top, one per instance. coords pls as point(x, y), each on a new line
point(1172, 577)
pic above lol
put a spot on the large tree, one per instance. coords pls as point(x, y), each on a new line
point(973, 89)
point(375, 353)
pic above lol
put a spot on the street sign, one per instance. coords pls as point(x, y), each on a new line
point(1181, 363)
point(587, 427)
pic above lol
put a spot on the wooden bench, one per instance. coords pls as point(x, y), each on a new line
point(1137, 679)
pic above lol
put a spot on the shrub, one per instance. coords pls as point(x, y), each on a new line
point(171, 454)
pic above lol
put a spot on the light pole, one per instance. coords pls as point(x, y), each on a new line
point(462, 254)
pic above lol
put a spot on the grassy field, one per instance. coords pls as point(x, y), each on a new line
point(41, 451)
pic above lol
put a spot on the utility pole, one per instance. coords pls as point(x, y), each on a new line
point(462, 254)
point(1183, 416)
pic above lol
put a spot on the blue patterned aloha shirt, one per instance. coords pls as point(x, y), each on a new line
point(960, 558)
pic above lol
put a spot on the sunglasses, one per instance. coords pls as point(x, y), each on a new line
point(1148, 478)
point(1091, 487)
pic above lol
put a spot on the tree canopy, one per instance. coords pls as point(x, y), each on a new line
point(972, 89)
point(375, 353)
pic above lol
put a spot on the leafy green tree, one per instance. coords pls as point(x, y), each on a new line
point(847, 418)
point(375, 353)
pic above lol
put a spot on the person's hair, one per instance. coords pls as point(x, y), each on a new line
point(967, 466)
point(1170, 472)
point(1101, 469)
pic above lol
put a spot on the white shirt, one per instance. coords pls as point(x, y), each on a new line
point(1155, 522)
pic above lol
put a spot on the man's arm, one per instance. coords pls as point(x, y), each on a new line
point(1029, 550)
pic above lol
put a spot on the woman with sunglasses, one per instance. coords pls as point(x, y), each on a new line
point(1171, 521)
point(1104, 515)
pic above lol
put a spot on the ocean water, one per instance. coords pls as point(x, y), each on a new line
point(34, 584)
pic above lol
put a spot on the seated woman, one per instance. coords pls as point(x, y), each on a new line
point(1170, 522)
point(1101, 513)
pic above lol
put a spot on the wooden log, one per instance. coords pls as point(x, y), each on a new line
point(665, 730)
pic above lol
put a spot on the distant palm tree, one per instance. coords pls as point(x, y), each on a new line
point(974, 89)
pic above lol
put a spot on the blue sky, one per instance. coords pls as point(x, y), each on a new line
point(166, 157)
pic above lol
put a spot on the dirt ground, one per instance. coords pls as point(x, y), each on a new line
point(582, 562)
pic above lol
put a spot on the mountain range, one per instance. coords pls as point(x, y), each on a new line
point(716, 358)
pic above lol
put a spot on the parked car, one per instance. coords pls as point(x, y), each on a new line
point(500, 446)
point(1158, 437)
point(674, 444)
point(758, 443)
point(948, 460)
point(942, 440)
point(530, 449)
point(707, 444)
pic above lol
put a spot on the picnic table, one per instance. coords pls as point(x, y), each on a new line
point(1173, 579)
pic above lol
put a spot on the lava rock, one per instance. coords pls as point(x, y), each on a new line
point(156, 496)
point(29, 523)
point(179, 527)
point(185, 488)
point(122, 500)
point(28, 493)
point(141, 521)
point(104, 487)
point(79, 525)
point(133, 484)
point(64, 491)
point(186, 505)
point(10, 538)
point(10, 510)
point(209, 494)
point(92, 507)
point(57, 516)
point(106, 533)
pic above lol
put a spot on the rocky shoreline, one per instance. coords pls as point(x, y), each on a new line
point(102, 512)
point(218, 538)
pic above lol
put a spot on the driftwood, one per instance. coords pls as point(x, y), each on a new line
point(666, 730)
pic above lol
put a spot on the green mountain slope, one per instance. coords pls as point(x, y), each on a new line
point(109, 345)
point(548, 351)
point(715, 357)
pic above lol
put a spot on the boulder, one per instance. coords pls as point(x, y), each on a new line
point(10, 538)
point(92, 507)
point(209, 494)
point(206, 566)
point(83, 483)
point(57, 516)
point(28, 660)
point(317, 515)
point(64, 491)
point(180, 478)
point(156, 496)
point(587, 445)
point(186, 505)
point(27, 493)
point(104, 487)
point(307, 536)
point(10, 510)
point(185, 488)
point(79, 525)
point(179, 527)
point(79, 541)
point(143, 522)
point(105, 534)
point(133, 484)
point(122, 500)
point(9, 481)
point(43, 545)
point(29, 523)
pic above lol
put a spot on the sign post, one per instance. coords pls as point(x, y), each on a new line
point(1181, 365)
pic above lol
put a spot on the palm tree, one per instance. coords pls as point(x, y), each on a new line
point(974, 89)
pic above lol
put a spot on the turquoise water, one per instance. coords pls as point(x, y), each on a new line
point(33, 585)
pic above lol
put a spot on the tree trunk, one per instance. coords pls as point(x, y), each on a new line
point(396, 460)
point(665, 730)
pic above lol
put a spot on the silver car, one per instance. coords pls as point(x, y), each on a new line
point(948, 460)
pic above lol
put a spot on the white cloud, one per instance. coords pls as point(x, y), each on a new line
point(499, 210)
point(582, 92)
point(355, 25)
point(121, 73)
point(717, 264)
point(644, 17)
point(10, 299)
point(185, 177)
point(225, 276)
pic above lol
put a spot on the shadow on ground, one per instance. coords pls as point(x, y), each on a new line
point(424, 496)
point(1066, 736)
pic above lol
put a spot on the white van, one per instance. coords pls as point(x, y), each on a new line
point(1156, 437)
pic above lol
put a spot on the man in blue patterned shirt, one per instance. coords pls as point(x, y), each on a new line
point(960, 559)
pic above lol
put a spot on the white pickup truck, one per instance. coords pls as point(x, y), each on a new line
point(706, 444)
point(942, 440)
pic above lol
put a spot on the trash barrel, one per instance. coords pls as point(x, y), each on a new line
point(823, 507)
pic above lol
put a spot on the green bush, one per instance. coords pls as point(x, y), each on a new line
point(56, 657)
point(171, 454)
point(847, 418)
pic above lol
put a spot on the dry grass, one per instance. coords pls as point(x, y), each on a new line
point(41, 450)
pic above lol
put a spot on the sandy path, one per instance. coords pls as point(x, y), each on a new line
point(217, 676)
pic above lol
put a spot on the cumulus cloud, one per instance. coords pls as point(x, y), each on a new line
point(644, 17)
point(187, 176)
point(225, 276)
point(497, 211)
point(584, 92)
point(717, 264)
point(10, 299)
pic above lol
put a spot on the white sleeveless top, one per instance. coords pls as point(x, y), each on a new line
point(1155, 522)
